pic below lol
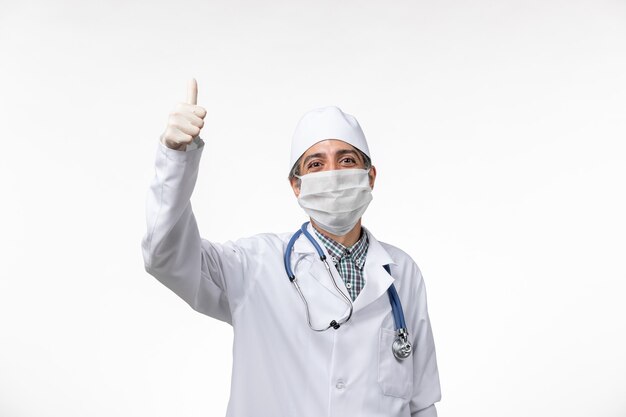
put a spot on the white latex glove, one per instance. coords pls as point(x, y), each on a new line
point(185, 121)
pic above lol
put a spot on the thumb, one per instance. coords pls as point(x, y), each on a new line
point(192, 92)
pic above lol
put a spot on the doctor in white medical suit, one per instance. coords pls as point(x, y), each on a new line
point(318, 330)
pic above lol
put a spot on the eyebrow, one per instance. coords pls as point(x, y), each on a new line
point(340, 152)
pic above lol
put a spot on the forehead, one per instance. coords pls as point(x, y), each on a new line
point(328, 146)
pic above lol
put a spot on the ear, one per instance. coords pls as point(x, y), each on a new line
point(372, 175)
point(295, 186)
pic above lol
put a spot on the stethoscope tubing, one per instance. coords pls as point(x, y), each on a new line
point(396, 306)
point(394, 299)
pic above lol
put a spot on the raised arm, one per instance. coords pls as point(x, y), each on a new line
point(207, 275)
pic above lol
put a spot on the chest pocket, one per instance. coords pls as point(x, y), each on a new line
point(395, 376)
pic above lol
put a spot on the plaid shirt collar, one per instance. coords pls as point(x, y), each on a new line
point(337, 251)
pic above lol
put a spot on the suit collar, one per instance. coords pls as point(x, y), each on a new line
point(377, 280)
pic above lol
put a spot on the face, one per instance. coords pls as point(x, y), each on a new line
point(328, 155)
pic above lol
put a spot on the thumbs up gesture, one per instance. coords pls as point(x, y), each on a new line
point(185, 120)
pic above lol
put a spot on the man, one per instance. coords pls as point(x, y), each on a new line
point(328, 346)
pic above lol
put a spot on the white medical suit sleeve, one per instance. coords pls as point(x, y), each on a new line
point(209, 276)
point(426, 386)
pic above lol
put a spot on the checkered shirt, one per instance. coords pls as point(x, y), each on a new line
point(348, 261)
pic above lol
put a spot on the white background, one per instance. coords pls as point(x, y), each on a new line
point(498, 129)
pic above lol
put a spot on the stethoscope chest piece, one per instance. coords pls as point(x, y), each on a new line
point(401, 347)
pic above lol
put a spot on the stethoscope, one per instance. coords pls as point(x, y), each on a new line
point(401, 346)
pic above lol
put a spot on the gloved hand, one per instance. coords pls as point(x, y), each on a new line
point(185, 121)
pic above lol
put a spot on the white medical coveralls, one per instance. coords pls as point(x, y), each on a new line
point(282, 368)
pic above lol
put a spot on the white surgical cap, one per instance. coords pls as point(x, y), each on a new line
point(326, 123)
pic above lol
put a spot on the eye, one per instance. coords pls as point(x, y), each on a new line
point(314, 164)
point(349, 160)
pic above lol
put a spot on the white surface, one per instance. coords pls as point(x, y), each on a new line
point(497, 129)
